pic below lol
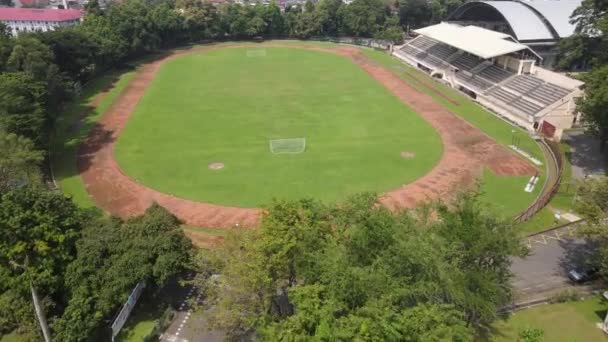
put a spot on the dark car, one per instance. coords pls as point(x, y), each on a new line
point(582, 274)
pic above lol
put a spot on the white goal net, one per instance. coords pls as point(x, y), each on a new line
point(295, 145)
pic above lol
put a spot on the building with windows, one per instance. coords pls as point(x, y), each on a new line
point(32, 19)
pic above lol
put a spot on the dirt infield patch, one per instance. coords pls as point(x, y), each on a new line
point(216, 166)
point(407, 154)
point(467, 151)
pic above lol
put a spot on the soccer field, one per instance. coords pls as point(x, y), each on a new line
point(202, 130)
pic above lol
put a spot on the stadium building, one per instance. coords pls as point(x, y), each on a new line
point(539, 24)
point(497, 71)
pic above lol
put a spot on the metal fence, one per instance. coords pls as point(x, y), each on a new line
point(367, 42)
point(543, 200)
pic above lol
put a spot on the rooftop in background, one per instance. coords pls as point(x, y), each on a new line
point(472, 39)
point(34, 14)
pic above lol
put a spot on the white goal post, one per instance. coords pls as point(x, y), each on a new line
point(293, 146)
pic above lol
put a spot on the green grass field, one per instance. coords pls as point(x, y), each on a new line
point(223, 106)
point(564, 322)
point(220, 80)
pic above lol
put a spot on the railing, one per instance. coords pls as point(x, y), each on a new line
point(368, 42)
point(547, 195)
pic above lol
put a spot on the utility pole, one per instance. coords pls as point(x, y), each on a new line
point(46, 332)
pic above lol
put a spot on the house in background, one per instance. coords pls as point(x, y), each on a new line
point(33, 19)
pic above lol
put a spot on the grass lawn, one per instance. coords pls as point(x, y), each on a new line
point(138, 326)
point(14, 337)
point(223, 106)
point(562, 201)
point(211, 231)
point(506, 195)
point(573, 321)
point(73, 126)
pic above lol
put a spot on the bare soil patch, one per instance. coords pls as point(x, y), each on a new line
point(216, 166)
point(407, 154)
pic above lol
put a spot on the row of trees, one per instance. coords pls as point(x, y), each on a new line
point(76, 268)
point(589, 47)
point(356, 271)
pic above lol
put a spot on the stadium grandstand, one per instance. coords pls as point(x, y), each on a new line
point(539, 24)
point(498, 72)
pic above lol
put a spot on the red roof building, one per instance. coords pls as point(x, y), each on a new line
point(34, 19)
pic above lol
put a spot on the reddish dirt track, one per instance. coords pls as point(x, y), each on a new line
point(467, 151)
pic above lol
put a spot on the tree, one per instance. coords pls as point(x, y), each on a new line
point(589, 47)
point(592, 203)
point(38, 231)
point(588, 44)
point(112, 257)
point(593, 105)
point(356, 271)
point(22, 101)
point(31, 56)
point(414, 13)
point(74, 52)
point(5, 32)
point(19, 162)
point(363, 18)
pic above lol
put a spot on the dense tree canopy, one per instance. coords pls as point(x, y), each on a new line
point(592, 202)
point(357, 271)
point(589, 47)
point(112, 257)
point(82, 267)
point(19, 162)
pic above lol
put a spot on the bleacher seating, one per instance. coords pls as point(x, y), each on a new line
point(466, 62)
point(525, 93)
point(474, 81)
point(433, 61)
point(502, 94)
point(413, 51)
point(523, 83)
point(495, 74)
point(516, 101)
point(423, 43)
point(442, 51)
point(526, 106)
point(548, 93)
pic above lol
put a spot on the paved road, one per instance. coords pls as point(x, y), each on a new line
point(188, 325)
point(585, 155)
point(545, 269)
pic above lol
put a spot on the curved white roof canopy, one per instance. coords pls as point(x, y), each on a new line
point(530, 19)
point(557, 13)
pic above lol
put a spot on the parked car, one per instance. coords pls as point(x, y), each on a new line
point(582, 274)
